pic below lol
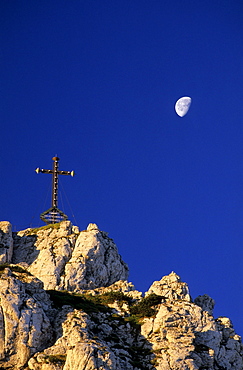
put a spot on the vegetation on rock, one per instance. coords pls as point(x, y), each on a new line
point(145, 307)
point(14, 268)
point(86, 302)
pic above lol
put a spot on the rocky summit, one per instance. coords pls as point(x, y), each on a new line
point(66, 304)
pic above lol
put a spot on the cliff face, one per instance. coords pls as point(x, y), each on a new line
point(64, 258)
point(66, 304)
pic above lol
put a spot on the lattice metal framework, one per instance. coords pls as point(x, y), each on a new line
point(53, 214)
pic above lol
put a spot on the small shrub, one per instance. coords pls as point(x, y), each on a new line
point(56, 359)
point(134, 321)
point(144, 308)
point(111, 297)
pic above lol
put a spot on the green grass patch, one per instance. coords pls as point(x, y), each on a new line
point(86, 302)
point(56, 359)
point(99, 303)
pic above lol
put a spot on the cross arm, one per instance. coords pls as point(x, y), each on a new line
point(71, 173)
point(39, 170)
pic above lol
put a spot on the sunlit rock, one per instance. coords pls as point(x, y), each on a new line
point(91, 318)
point(6, 242)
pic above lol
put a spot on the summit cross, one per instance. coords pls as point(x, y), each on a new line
point(53, 214)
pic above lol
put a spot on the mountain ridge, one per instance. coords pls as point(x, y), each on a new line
point(66, 304)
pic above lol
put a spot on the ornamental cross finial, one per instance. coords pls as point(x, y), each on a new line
point(53, 214)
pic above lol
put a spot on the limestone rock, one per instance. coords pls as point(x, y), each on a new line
point(185, 336)
point(6, 242)
point(205, 302)
point(95, 262)
point(24, 325)
point(122, 286)
point(171, 287)
point(100, 321)
point(173, 332)
point(89, 343)
point(65, 259)
point(45, 250)
point(179, 336)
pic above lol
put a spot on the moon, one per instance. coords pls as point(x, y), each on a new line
point(182, 105)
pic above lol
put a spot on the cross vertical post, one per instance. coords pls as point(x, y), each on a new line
point(53, 214)
point(55, 181)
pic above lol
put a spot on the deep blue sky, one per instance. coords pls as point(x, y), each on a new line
point(95, 82)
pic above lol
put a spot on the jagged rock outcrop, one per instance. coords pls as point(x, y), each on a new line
point(176, 335)
point(95, 262)
point(205, 302)
point(171, 287)
point(89, 343)
point(45, 251)
point(25, 327)
point(93, 318)
point(119, 286)
point(64, 258)
point(185, 335)
point(6, 242)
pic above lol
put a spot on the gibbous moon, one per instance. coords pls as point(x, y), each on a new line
point(182, 105)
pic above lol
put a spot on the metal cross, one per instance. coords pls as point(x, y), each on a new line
point(53, 214)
